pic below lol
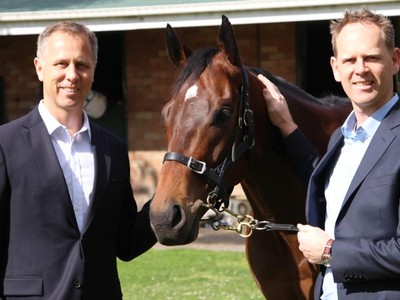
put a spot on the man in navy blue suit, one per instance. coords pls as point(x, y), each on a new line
point(353, 201)
point(66, 205)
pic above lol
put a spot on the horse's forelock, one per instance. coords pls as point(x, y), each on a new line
point(194, 66)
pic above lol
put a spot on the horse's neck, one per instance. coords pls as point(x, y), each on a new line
point(273, 190)
point(317, 118)
point(270, 185)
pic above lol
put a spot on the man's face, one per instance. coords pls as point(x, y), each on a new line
point(365, 66)
point(66, 69)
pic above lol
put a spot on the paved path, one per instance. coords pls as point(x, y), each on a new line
point(211, 239)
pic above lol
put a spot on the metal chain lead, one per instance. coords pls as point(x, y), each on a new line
point(245, 224)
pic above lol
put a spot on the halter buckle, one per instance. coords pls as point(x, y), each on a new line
point(247, 117)
point(196, 165)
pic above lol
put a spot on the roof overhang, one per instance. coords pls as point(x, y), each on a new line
point(190, 15)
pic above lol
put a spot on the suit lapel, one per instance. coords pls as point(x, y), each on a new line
point(38, 138)
point(380, 142)
point(103, 162)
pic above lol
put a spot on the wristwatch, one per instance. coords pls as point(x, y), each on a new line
point(327, 255)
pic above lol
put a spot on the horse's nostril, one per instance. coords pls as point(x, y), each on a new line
point(176, 216)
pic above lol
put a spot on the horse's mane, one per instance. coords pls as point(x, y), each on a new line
point(194, 66)
point(328, 100)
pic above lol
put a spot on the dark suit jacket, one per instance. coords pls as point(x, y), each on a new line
point(42, 253)
point(366, 252)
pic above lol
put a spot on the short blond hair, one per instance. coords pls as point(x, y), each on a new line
point(364, 15)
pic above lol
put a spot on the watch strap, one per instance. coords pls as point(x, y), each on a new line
point(328, 247)
point(326, 255)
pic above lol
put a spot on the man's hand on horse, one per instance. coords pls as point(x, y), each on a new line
point(278, 110)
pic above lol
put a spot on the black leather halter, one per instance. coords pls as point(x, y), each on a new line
point(222, 190)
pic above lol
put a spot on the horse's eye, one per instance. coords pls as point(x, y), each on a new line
point(223, 115)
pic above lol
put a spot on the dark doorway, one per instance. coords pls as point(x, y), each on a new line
point(313, 55)
point(108, 81)
point(2, 100)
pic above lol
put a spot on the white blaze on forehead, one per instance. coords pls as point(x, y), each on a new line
point(191, 92)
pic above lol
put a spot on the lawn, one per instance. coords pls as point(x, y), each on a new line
point(188, 274)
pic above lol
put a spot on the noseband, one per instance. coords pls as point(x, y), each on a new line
point(222, 190)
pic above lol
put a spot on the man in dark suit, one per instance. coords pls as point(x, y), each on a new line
point(66, 206)
point(353, 207)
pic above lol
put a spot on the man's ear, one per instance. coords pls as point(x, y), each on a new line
point(38, 67)
point(396, 60)
point(335, 69)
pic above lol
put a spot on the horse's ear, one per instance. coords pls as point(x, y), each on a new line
point(227, 42)
point(178, 53)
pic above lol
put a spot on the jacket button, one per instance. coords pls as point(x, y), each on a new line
point(77, 284)
point(348, 277)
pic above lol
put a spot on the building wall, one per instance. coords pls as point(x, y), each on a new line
point(21, 85)
point(148, 77)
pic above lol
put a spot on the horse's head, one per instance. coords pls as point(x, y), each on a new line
point(208, 101)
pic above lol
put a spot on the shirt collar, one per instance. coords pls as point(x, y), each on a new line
point(369, 126)
point(52, 124)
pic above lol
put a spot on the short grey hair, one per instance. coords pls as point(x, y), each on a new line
point(67, 27)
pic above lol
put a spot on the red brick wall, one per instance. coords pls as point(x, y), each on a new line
point(148, 77)
point(22, 88)
point(278, 49)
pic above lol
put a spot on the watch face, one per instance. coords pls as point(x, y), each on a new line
point(326, 260)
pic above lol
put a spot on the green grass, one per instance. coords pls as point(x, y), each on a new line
point(188, 274)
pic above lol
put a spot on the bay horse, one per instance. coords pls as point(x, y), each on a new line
point(219, 135)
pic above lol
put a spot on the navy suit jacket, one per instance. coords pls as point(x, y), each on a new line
point(366, 252)
point(42, 253)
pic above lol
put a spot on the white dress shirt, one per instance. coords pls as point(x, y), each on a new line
point(76, 157)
